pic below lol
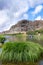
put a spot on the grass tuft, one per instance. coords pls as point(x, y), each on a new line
point(21, 52)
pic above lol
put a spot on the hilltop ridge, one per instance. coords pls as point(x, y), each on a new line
point(24, 26)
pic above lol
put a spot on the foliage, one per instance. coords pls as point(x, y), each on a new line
point(2, 39)
point(39, 31)
point(31, 32)
point(21, 52)
point(35, 32)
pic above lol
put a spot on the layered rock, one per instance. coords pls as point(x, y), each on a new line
point(24, 25)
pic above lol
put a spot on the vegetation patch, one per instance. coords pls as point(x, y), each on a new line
point(2, 39)
point(35, 32)
point(21, 52)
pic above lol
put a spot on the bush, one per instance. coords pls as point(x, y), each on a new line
point(21, 52)
point(35, 32)
point(39, 31)
point(31, 32)
point(2, 39)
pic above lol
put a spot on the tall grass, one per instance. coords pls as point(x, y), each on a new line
point(21, 52)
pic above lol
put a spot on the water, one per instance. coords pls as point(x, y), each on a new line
point(32, 38)
point(41, 62)
point(14, 38)
point(35, 38)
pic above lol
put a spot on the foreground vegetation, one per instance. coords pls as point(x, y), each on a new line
point(21, 52)
point(2, 39)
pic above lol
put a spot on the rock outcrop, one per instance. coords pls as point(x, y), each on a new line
point(24, 26)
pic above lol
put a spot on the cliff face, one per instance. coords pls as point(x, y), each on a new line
point(24, 26)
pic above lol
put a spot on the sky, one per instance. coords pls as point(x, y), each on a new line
point(12, 11)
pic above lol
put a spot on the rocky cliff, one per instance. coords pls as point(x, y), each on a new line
point(24, 26)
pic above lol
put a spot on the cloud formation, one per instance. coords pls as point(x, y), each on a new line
point(38, 9)
point(3, 16)
point(12, 11)
point(39, 18)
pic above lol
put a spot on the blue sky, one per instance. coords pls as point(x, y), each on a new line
point(11, 11)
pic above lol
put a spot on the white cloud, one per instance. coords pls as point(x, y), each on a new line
point(25, 16)
point(3, 17)
point(39, 18)
point(33, 3)
point(37, 9)
point(20, 12)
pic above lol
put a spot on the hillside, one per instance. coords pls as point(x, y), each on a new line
point(24, 26)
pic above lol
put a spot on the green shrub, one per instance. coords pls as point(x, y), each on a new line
point(35, 32)
point(31, 33)
point(39, 31)
point(21, 52)
point(2, 39)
